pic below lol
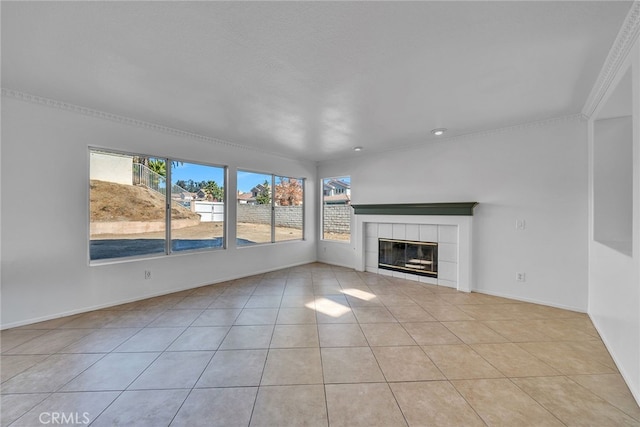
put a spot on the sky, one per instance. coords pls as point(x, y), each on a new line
point(186, 171)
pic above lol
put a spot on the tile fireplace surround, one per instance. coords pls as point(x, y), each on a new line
point(453, 233)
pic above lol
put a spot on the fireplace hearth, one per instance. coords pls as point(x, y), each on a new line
point(408, 256)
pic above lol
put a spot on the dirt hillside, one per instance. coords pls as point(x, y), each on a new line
point(119, 202)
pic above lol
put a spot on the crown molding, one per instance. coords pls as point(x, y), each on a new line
point(52, 103)
point(629, 33)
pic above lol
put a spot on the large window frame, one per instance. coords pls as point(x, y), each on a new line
point(278, 231)
point(162, 239)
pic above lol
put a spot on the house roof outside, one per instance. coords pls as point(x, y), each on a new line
point(338, 199)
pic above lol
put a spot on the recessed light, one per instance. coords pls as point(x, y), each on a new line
point(439, 131)
point(357, 148)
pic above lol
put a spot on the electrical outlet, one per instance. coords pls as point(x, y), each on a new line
point(520, 224)
point(520, 277)
point(147, 274)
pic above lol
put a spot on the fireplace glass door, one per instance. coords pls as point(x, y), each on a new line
point(407, 256)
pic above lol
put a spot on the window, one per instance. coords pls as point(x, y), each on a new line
point(200, 189)
point(336, 208)
point(129, 203)
point(270, 208)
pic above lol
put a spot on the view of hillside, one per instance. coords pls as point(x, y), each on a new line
point(119, 202)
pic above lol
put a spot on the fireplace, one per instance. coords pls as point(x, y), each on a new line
point(408, 256)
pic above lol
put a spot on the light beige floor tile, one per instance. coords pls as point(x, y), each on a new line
point(446, 313)
point(115, 371)
point(573, 404)
point(50, 374)
point(487, 312)
point(300, 405)
point(229, 300)
point(50, 342)
point(472, 332)
point(47, 324)
point(288, 336)
point(542, 343)
point(434, 403)
point(14, 337)
point(276, 289)
point(293, 366)
point(257, 316)
point(211, 290)
point(200, 338)
point(460, 362)
point(515, 331)
point(164, 302)
point(500, 403)
point(83, 408)
point(611, 388)
point(568, 357)
point(247, 337)
point(379, 334)
point(150, 339)
point(362, 300)
point(513, 361)
point(365, 405)
point(173, 370)
point(406, 364)
point(15, 405)
point(10, 366)
point(430, 333)
point(217, 317)
point(296, 316)
point(597, 351)
point(175, 318)
point(558, 330)
point(217, 407)
point(341, 335)
point(410, 314)
point(234, 368)
point(297, 297)
point(397, 301)
point(92, 320)
point(473, 298)
point(133, 319)
point(150, 408)
point(373, 315)
point(197, 302)
point(340, 315)
point(101, 341)
point(264, 301)
point(350, 365)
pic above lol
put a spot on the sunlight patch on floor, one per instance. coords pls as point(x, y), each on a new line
point(328, 307)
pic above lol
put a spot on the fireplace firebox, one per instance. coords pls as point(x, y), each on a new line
point(408, 256)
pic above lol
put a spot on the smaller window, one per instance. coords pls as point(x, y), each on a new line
point(336, 208)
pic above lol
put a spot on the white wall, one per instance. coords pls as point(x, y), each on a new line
point(613, 179)
point(111, 168)
point(45, 268)
point(614, 276)
point(536, 173)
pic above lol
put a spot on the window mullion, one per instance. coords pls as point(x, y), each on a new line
point(167, 214)
point(273, 208)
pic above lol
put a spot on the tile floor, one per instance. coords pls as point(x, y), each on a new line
point(314, 345)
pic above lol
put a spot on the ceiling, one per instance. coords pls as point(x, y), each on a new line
point(311, 80)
